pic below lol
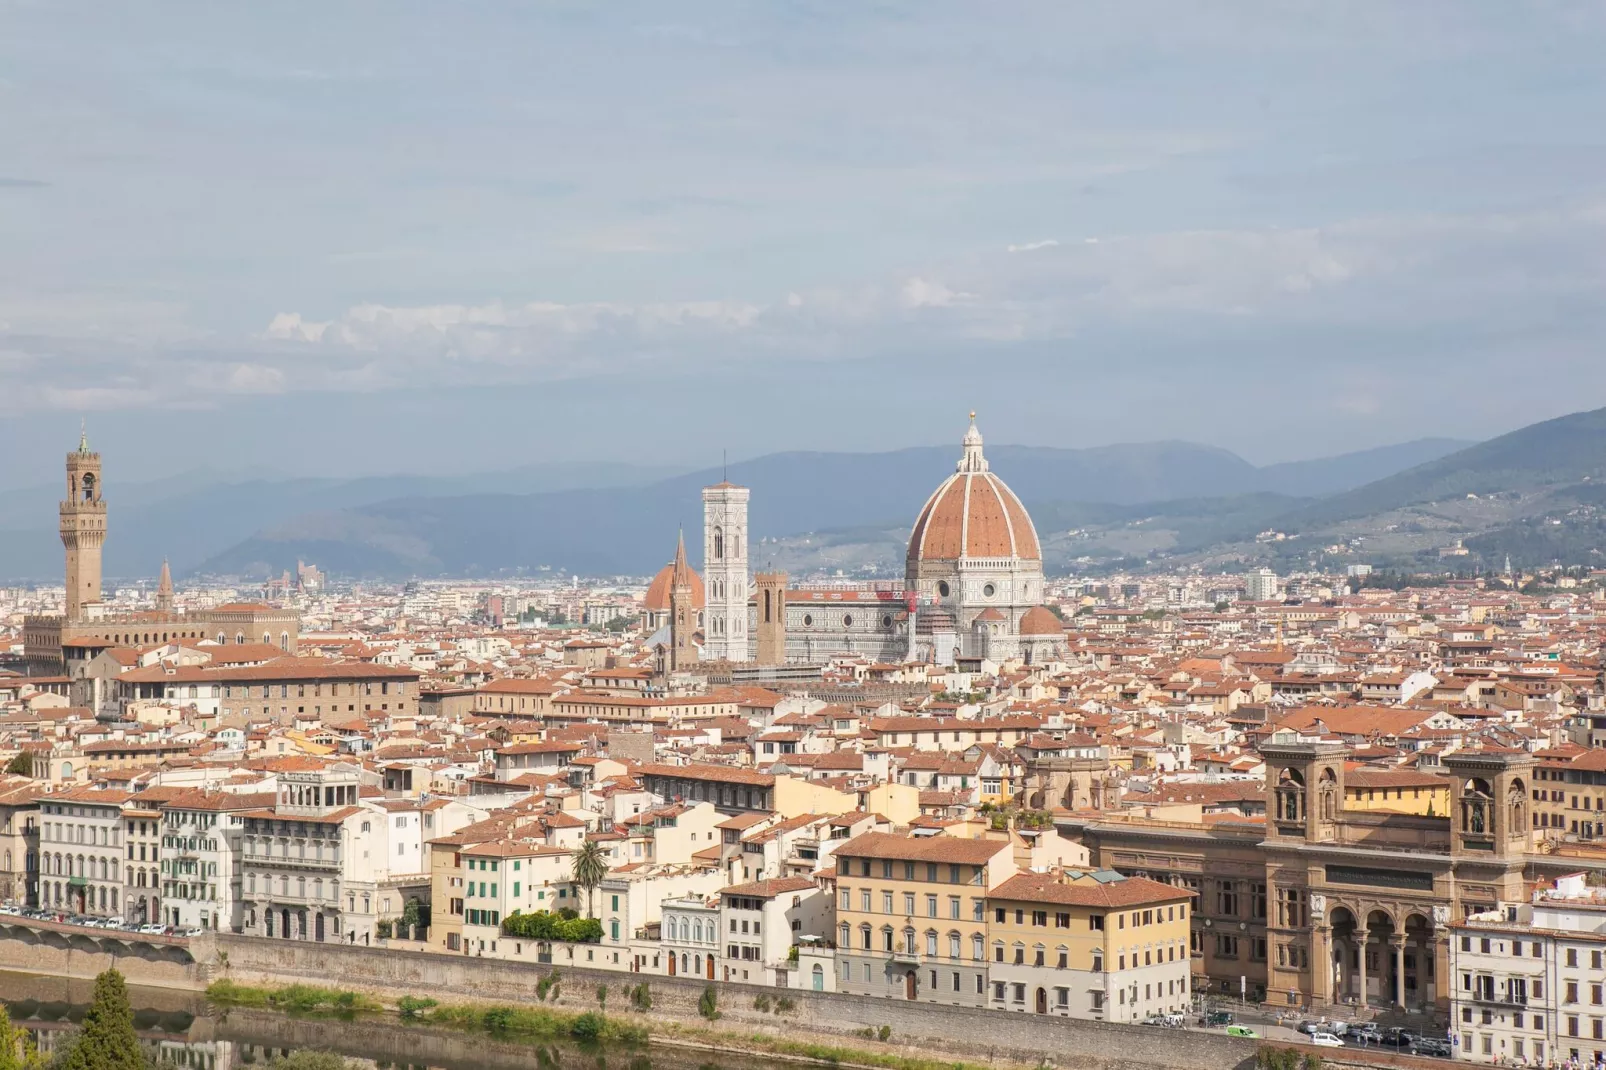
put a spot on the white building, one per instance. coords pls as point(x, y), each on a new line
point(200, 860)
point(1260, 585)
point(1529, 980)
point(725, 572)
point(760, 922)
point(690, 936)
point(81, 851)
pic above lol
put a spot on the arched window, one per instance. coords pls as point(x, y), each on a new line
point(719, 544)
point(864, 937)
point(846, 939)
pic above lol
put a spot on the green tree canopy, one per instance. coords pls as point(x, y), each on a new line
point(21, 763)
point(107, 1040)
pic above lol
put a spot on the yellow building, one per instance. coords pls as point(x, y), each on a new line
point(912, 915)
point(1089, 945)
point(1399, 791)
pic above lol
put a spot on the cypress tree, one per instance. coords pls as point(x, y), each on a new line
point(12, 1043)
point(107, 1041)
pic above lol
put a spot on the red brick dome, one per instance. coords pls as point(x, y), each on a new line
point(657, 600)
point(1041, 621)
point(973, 514)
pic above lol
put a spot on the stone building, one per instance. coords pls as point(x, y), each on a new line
point(304, 859)
point(1324, 904)
point(48, 638)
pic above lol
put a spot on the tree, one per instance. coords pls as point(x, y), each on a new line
point(413, 916)
point(21, 763)
point(590, 866)
point(107, 1040)
point(16, 1050)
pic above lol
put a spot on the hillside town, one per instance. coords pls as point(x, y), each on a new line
point(1103, 798)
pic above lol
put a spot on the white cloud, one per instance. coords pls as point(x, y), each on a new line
point(1047, 243)
point(1399, 275)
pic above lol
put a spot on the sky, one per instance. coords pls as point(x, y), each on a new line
point(346, 238)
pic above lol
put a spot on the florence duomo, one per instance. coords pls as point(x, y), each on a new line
point(972, 587)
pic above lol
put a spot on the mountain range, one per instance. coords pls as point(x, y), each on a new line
point(1532, 493)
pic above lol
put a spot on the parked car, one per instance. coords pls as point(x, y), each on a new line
point(1241, 1031)
point(1216, 1018)
point(1436, 1047)
point(1396, 1037)
point(1367, 1034)
point(1326, 1040)
point(152, 928)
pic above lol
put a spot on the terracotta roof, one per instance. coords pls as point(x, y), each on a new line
point(770, 888)
point(1041, 621)
point(973, 514)
point(657, 599)
point(1089, 891)
point(922, 848)
point(722, 774)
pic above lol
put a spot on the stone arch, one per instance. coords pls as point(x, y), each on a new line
point(1290, 795)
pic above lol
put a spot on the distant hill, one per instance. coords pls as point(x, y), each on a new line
point(1567, 450)
point(630, 530)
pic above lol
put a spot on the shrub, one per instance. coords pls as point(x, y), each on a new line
point(382, 929)
point(641, 997)
point(411, 1006)
point(708, 1005)
point(562, 926)
point(497, 1019)
point(602, 995)
point(784, 1005)
point(884, 1033)
point(761, 1003)
point(588, 1026)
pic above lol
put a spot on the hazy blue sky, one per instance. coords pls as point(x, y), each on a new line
point(446, 235)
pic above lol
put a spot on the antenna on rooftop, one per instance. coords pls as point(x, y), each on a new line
point(724, 466)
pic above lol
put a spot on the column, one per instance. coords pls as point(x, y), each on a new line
point(1397, 941)
point(1320, 975)
point(1360, 963)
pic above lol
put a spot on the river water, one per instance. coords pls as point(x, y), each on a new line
point(184, 1030)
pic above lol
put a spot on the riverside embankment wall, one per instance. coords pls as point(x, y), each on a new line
point(922, 1028)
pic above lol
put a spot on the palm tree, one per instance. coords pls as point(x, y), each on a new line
point(590, 864)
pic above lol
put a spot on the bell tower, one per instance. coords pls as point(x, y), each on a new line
point(771, 618)
point(725, 571)
point(1304, 789)
point(83, 528)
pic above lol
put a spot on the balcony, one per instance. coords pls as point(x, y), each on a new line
point(905, 957)
point(1499, 999)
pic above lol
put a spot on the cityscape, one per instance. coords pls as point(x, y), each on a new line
point(1114, 799)
point(918, 536)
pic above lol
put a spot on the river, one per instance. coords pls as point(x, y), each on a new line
point(184, 1030)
